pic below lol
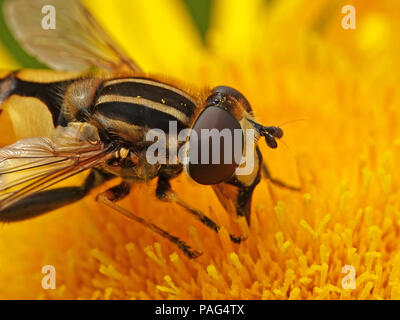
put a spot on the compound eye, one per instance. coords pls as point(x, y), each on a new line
point(228, 91)
point(215, 146)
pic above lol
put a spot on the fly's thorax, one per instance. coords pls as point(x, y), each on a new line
point(79, 97)
point(129, 107)
point(125, 110)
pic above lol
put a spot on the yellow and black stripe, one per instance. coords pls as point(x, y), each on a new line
point(50, 93)
point(134, 102)
point(144, 102)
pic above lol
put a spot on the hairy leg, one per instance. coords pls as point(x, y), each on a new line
point(119, 192)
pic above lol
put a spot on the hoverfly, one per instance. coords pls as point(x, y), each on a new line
point(96, 121)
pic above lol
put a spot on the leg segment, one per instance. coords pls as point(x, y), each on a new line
point(277, 181)
point(165, 193)
point(49, 200)
point(117, 193)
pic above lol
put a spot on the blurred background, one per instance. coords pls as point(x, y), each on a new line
point(199, 11)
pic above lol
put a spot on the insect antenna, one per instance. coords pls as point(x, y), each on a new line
point(270, 133)
point(291, 121)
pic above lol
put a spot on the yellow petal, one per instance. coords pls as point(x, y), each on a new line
point(234, 25)
point(159, 35)
point(6, 60)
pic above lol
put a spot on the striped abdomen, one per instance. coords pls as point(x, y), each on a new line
point(24, 84)
point(31, 103)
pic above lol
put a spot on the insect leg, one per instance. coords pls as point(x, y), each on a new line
point(277, 181)
point(117, 193)
point(49, 200)
point(165, 193)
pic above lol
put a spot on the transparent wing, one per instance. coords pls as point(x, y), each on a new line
point(77, 43)
point(34, 164)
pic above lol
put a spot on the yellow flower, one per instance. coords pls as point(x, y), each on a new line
point(292, 59)
point(6, 61)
